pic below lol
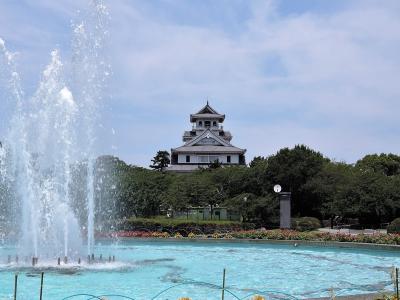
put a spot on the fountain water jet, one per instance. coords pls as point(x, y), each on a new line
point(47, 136)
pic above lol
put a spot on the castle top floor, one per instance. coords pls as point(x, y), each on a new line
point(206, 118)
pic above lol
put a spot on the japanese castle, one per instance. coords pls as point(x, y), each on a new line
point(206, 143)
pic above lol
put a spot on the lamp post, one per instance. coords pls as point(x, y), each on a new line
point(245, 208)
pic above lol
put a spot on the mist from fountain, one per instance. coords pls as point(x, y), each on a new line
point(47, 135)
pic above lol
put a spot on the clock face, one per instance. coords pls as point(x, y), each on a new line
point(277, 188)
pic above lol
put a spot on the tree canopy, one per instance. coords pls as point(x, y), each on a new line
point(160, 161)
point(368, 190)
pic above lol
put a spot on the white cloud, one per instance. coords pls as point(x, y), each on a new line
point(329, 80)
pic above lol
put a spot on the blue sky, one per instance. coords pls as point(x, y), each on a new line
point(321, 73)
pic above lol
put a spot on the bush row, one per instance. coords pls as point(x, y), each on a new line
point(379, 238)
point(205, 226)
point(183, 226)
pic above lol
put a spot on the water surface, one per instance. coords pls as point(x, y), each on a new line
point(145, 268)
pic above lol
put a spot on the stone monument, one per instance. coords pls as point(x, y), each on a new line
point(285, 210)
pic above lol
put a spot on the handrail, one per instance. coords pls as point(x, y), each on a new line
point(194, 283)
point(113, 295)
point(269, 292)
point(78, 295)
point(211, 285)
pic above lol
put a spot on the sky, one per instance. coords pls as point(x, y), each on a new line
point(321, 73)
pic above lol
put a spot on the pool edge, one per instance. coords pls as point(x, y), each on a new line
point(277, 242)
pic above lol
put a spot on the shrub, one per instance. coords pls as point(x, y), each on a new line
point(175, 225)
point(306, 224)
point(158, 234)
point(216, 236)
point(394, 226)
point(386, 297)
point(178, 235)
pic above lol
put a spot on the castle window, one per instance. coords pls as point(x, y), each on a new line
point(207, 123)
point(188, 158)
point(215, 124)
point(200, 123)
point(203, 159)
point(228, 159)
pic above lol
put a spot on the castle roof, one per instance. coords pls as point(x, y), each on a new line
point(208, 141)
point(207, 112)
point(209, 149)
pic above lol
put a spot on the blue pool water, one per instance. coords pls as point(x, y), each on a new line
point(145, 268)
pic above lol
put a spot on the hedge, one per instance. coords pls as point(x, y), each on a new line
point(306, 224)
point(184, 227)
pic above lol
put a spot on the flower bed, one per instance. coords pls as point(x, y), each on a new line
point(378, 238)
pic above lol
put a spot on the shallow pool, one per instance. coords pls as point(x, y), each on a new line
point(145, 268)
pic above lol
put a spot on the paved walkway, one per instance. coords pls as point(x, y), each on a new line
point(354, 297)
point(352, 231)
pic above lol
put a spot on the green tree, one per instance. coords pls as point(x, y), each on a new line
point(178, 196)
point(231, 180)
point(368, 190)
point(107, 173)
point(160, 161)
point(387, 164)
point(378, 197)
point(330, 186)
point(257, 160)
point(261, 210)
point(356, 192)
point(258, 179)
point(292, 169)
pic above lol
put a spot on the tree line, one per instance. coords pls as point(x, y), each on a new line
point(368, 190)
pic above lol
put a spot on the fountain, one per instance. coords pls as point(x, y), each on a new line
point(49, 178)
point(50, 137)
